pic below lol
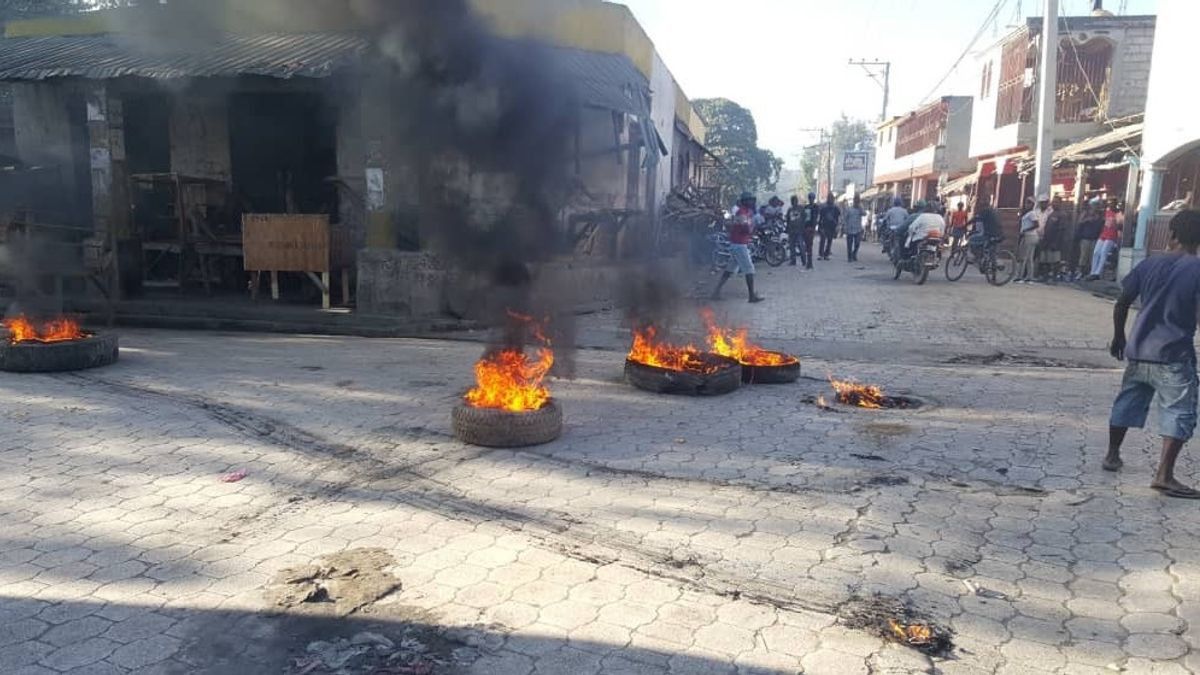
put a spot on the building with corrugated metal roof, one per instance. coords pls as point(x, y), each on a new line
point(168, 124)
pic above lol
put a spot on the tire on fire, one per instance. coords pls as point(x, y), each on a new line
point(784, 374)
point(35, 357)
point(494, 428)
point(726, 378)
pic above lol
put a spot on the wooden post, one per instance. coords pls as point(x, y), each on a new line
point(346, 287)
point(274, 285)
point(325, 293)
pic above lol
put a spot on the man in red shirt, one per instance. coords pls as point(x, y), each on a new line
point(958, 224)
point(1110, 238)
point(741, 233)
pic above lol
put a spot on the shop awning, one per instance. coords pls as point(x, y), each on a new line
point(1109, 149)
point(958, 185)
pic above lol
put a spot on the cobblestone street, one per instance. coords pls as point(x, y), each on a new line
point(737, 534)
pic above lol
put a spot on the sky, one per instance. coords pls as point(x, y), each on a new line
point(787, 60)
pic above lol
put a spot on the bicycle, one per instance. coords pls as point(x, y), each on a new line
point(999, 266)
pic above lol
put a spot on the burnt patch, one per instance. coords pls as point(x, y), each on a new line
point(887, 481)
point(1005, 359)
point(897, 621)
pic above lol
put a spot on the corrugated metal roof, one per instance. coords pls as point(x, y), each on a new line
point(110, 56)
point(603, 80)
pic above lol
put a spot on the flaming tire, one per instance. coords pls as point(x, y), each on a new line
point(494, 428)
point(726, 378)
point(92, 351)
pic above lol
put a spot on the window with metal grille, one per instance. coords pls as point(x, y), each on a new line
point(1014, 95)
point(922, 129)
point(1084, 78)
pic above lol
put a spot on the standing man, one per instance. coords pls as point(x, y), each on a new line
point(829, 217)
point(795, 230)
point(1086, 235)
point(1161, 352)
point(852, 227)
point(1054, 230)
point(1027, 245)
point(741, 232)
point(1110, 240)
point(812, 215)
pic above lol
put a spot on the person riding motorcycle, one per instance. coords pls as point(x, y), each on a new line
point(926, 223)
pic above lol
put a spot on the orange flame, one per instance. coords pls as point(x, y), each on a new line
point(60, 329)
point(915, 634)
point(861, 395)
point(735, 344)
point(647, 350)
point(507, 379)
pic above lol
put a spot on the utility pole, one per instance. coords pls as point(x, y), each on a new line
point(1047, 98)
point(884, 79)
point(827, 165)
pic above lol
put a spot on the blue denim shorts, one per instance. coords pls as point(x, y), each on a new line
point(739, 259)
point(1171, 386)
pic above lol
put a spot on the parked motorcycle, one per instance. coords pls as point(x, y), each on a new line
point(770, 243)
point(926, 256)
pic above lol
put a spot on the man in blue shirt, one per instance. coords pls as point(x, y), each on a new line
point(1161, 352)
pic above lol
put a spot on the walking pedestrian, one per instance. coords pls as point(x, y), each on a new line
point(795, 230)
point(741, 232)
point(829, 217)
point(1028, 242)
point(812, 214)
point(1086, 235)
point(852, 227)
point(1110, 240)
point(1161, 352)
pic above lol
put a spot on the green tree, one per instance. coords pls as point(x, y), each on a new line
point(847, 133)
point(733, 138)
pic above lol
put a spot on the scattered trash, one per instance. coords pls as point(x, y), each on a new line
point(367, 653)
point(982, 592)
point(869, 458)
point(681, 441)
point(234, 476)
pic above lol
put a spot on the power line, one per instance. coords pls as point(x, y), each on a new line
point(978, 34)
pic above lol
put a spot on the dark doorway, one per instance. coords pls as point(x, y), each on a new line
point(147, 133)
point(283, 148)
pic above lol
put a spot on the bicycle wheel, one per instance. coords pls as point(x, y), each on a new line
point(957, 264)
point(775, 254)
point(1002, 268)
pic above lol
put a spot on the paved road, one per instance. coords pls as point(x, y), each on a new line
point(752, 533)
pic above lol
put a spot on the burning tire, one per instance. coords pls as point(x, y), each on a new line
point(721, 376)
point(91, 351)
point(774, 374)
point(493, 428)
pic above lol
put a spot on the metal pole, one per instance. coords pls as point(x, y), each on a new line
point(1047, 98)
point(887, 81)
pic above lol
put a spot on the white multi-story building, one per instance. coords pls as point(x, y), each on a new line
point(1103, 69)
point(916, 152)
point(1170, 158)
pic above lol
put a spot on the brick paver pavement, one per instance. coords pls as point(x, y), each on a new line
point(658, 535)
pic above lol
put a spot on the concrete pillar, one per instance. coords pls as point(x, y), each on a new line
point(1152, 182)
point(100, 158)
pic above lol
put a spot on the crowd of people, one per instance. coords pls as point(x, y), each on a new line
point(1049, 246)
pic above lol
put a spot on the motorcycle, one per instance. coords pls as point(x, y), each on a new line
point(770, 243)
point(922, 256)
